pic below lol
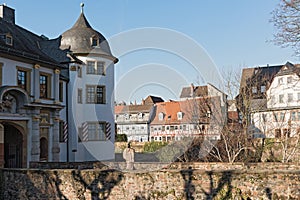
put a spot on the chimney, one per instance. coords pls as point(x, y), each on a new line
point(7, 14)
point(192, 89)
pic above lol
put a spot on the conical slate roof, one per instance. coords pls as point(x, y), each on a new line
point(79, 38)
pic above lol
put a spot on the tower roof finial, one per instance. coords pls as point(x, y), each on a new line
point(82, 5)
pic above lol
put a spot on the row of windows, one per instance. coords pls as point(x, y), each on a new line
point(177, 127)
point(95, 94)
point(96, 131)
point(23, 81)
point(133, 128)
point(131, 117)
point(93, 67)
point(162, 115)
point(289, 79)
point(255, 90)
point(290, 97)
point(281, 117)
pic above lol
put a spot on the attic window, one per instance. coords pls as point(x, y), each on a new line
point(179, 115)
point(95, 41)
point(7, 38)
point(160, 116)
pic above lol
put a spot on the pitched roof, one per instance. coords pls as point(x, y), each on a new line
point(130, 109)
point(78, 39)
point(26, 45)
point(194, 91)
point(193, 111)
point(152, 100)
point(257, 75)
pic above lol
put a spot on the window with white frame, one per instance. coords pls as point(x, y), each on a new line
point(160, 116)
point(95, 94)
point(290, 97)
point(281, 96)
point(179, 115)
point(79, 95)
point(298, 95)
point(282, 116)
point(289, 79)
point(262, 88)
point(280, 81)
point(254, 90)
point(293, 116)
point(95, 67)
point(79, 72)
point(96, 131)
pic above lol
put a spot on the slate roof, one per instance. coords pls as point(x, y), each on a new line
point(152, 100)
point(78, 39)
point(26, 45)
point(258, 75)
point(198, 91)
point(132, 109)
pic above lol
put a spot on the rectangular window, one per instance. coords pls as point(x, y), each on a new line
point(289, 79)
point(100, 68)
point(278, 133)
point(79, 95)
point(275, 115)
point(287, 132)
point(293, 116)
point(95, 94)
point(96, 131)
point(79, 72)
point(91, 67)
point(61, 91)
point(281, 98)
point(45, 86)
point(23, 78)
point(254, 90)
point(262, 88)
point(290, 97)
point(1, 65)
point(280, 81)
point(97, 68)
point(298, 95)
point(282, 116)
point(298, 116)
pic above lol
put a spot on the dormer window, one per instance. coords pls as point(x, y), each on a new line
point(7, 38)
point(95, 41)
point(179, 115)
point(160, 116)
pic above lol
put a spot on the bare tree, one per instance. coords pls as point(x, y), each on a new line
point(286, 19)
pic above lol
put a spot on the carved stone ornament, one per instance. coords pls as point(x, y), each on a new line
point(8, 104)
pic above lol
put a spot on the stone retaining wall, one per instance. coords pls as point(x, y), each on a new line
point(180, 181)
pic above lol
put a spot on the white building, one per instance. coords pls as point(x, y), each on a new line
point(134, 120)
point(280, 115)
point(91, 96)
point(52, 89)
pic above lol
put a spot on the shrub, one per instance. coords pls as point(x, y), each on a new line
point(153, 146)
point(121, 138)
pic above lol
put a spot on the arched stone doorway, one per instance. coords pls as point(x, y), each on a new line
point(13, 147)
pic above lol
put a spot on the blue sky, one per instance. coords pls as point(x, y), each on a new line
point(233, 32)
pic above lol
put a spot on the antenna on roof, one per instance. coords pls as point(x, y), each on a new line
point(82, 5)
